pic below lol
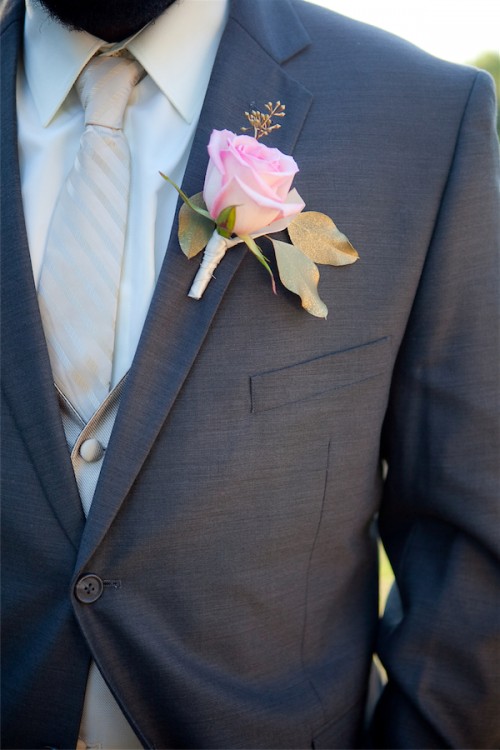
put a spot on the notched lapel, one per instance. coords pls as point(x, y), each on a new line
point(26, 375)
point(246, 74)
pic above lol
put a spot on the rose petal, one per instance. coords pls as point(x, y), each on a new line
point(272, 185)
point(219, 142)
point(250, 215)
point(293, 199)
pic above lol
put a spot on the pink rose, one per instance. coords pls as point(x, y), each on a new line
point(256, 179)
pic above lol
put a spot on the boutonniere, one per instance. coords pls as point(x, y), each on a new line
point(248, 194)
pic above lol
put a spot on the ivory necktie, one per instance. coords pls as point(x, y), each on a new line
point(79, 282)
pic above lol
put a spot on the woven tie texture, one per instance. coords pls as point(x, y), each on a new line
point(80, 277)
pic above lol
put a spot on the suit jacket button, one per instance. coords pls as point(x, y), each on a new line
point(91, 450)
point(88, 589)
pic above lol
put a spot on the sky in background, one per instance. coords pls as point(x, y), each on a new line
point(457, 30)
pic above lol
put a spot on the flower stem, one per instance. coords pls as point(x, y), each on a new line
point(214, 252)
point(255, 249)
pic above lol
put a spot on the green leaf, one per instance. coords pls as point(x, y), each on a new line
point(318, 237)
point(301, 276)
point(194, 229)
point(187, 201)
point(226, 220)
point(255, 249)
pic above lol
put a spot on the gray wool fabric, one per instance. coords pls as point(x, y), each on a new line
point(233, 521)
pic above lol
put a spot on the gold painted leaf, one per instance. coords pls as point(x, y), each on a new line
point(301, 276)
point(318, 237)
point(194, 229)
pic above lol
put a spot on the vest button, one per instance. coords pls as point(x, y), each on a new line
point(91, 450)
point(89, 589)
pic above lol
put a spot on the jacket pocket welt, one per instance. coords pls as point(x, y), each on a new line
point(342, 732)
point(317, 376)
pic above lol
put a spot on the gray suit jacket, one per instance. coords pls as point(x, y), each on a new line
point(236, 507)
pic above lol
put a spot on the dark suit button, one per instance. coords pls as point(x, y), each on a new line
point(88, 589)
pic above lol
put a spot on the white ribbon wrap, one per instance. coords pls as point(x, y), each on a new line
point(215, 250)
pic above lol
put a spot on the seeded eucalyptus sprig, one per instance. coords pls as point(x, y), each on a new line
point(262, 123)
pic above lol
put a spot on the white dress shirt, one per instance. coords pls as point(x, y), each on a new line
point(177, 52)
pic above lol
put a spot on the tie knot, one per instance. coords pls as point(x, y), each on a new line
point(104, 87)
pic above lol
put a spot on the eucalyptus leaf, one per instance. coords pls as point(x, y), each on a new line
point(318, 237)
point(194, 229)
point(301, 276)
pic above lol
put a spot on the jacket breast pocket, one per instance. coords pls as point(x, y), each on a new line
point(318, 376)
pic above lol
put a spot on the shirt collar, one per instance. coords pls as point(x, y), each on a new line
point(177, 50)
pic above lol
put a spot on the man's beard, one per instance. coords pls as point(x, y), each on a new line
point(111, 20)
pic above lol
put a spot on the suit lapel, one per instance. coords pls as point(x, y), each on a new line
point(246, 73)
point(26, 374)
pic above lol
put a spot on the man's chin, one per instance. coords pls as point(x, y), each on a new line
point(111, 20)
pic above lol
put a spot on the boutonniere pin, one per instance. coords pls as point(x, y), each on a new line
point(248, 194)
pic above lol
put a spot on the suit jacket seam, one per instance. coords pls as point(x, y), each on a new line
point(306, 591)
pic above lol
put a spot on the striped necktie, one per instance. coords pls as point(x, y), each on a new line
point(80, 277)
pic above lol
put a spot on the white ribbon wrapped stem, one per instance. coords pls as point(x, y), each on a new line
point(214, 252)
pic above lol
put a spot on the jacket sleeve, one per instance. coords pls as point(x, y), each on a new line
point(440, 519)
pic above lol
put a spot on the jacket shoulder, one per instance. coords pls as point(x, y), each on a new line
point(376, 53)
